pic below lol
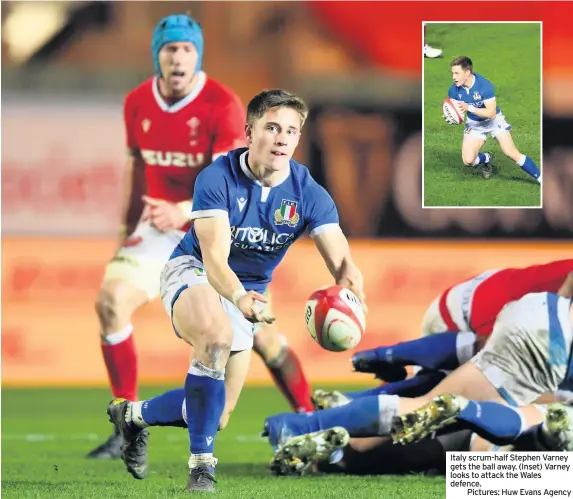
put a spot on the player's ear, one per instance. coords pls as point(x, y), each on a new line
point(249, 132)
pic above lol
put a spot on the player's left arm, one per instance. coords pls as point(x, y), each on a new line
point(165, 215)
point(332, 244)
point(489, 111)
point(335, 250)
point(559, 396)
point(213, 231)
point(489, 101)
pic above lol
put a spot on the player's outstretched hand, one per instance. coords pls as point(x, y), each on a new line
point(250, 306)
point(163, 215)
point(355, 283)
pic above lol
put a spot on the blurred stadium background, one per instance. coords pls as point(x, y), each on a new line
point(66, 67)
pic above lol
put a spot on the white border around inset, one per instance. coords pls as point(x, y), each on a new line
point(540, 206)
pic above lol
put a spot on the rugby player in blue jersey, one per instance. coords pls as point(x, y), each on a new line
point(249, 206)
point(474, 94)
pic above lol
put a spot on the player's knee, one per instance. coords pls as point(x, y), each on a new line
point(116, 302)
point(213, 351)
point(268, 342)
point(468, 159)
point(433, 322)
point(108, 305)
point(210, 334)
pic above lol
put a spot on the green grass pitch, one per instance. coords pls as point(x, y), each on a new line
point(509, 56)
point(45, 434)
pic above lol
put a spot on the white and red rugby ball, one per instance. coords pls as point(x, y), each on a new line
point(451, 111)
point(335, 318)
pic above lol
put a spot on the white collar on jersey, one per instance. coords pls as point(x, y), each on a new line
point(467, 89)
point(248, 173)
point(201, 80)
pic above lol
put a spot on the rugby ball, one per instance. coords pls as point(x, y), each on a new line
point(451, 111)
point(335, 318)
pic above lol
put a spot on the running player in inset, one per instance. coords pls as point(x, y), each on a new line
point(474, 94)
point(176, 124)
point(249, 206)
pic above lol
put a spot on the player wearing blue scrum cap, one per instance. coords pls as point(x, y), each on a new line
point(176, 123)
point(177, 47)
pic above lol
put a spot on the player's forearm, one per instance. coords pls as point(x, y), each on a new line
point(546, 398)
point(340, 263)
point(346, 270)
point(186, 208)
point(223, 280)
point(128, 200)
point(335, 250)
point(482, 112)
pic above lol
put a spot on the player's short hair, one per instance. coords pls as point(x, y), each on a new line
point(464, 62)
point(277, 97)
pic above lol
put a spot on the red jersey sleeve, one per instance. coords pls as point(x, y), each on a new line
point(129, 122)
point(229, 126)
point(548, 277)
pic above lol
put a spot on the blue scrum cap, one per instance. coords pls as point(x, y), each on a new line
point(177, 28)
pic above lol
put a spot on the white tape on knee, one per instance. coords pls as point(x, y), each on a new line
point(198, 369)
point(119, 337)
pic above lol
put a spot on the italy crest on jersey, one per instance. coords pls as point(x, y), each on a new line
point(286, 214)
point(477, 96)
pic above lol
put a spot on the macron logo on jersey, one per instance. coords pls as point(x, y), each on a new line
point(257, 238)
point(241, 202)
point(170, 158)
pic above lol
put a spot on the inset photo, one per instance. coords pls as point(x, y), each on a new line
point(482, 115)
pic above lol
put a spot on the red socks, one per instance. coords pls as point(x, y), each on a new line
point(288, 375)
point(121, 363)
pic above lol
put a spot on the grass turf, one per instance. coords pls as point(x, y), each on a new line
point(47, 432)
point(509, 56)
